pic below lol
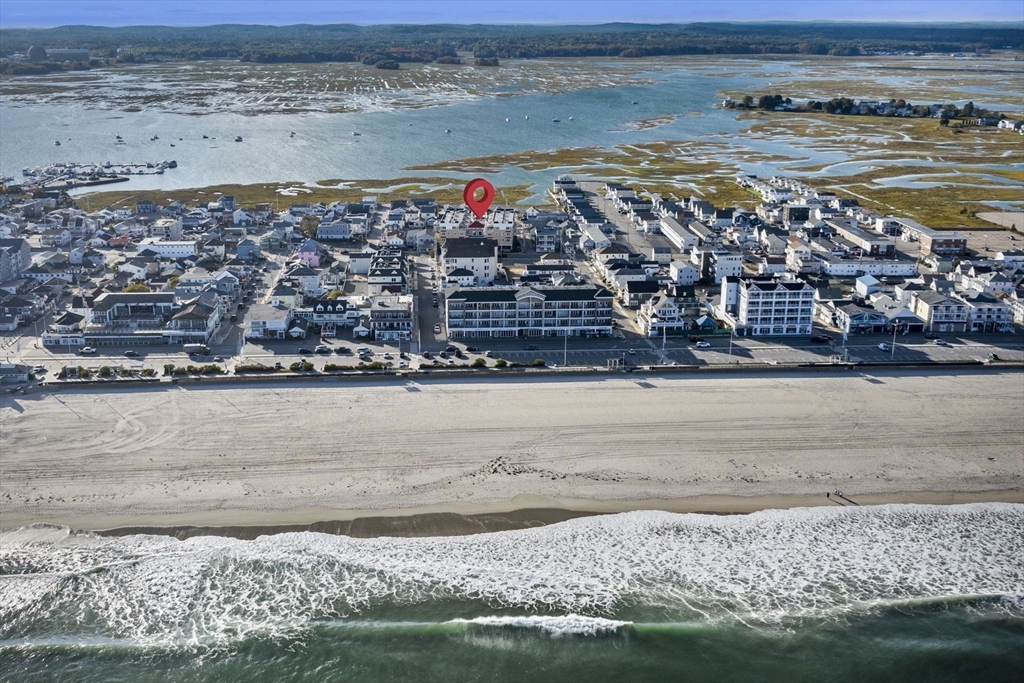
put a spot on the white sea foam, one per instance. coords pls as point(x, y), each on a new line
point(761, 567)
point(567, 625)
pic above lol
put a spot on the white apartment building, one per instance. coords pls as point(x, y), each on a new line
point(759, 307)
point(479, 256)
point(168, 248)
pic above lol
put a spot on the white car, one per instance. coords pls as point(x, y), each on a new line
point(87, 351)
point(703, 345)
point(39, 370)
point(883, 347)
point(437, 329)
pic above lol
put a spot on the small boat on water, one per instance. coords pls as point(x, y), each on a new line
point(157, 137)
point(172, 144)
point(556, 120)
point(570, 118)
point(206, 137)
point(291, 136)
point(447, 130)
point(56, 142)
point(507, 119)
point(635, 102)
point(355, 132)
point(527, 117)
point(238, 138)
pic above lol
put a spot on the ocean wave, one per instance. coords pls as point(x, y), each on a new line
point(765, 567)
point(566, 625)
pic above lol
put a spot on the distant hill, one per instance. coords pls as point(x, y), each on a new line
point(406, 43)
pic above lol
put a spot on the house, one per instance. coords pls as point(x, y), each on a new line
point(14, 373)
point(248, 250)
point(867, 284)
point(636, 292)
point(661, 315)
point(283, 295)
point(391, 318)
point(334, 230)
point(241, 218)
point(330, 314)
point(771, 265)
point(267, 321)
point(661, 255)
point(477, 255)
point(475, 312)
point(196, 322)
point(462, 277)
point(593, 238)
point(55, 238)
point(309, 252)
point(683, 273)
point(298, 328)
point(854, 319)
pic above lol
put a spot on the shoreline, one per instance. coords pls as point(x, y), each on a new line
point(465, 520)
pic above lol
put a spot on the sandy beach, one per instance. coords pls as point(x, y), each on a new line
point(464, 453)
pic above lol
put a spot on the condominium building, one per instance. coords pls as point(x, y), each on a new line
point(765, 306)
point(529, 312)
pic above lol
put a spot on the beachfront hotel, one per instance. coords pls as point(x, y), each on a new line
point(528, 312)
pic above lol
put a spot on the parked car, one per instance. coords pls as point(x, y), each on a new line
point(941, 342)
point(388, 356)
point(696, 339)
point(363, 350)
point(234, 318)
point(87, 351)
point(450, 348)
point(472, 349)
point(631, 352)
point(426, 354)
point(323, 348)
point(304, 351)
point(437, 329)
point(443, 354)
point(131, 354)
point(41, 369)
point(342, 350)
point(821, 339)
point(533, 347)
point(929, 335)
point(451, 361)
point(703, 345)
point(278, 366)
point(489, 354)
point(883, 347)
point(218, 359)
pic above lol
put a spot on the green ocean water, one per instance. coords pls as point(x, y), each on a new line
point(901, 593)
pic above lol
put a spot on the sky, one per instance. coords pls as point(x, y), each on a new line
point(48, 13)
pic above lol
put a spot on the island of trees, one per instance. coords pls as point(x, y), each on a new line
point(847, 106)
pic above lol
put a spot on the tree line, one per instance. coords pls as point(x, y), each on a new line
point(434, 43)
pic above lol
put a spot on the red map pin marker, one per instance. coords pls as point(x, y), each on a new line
point(479, 206)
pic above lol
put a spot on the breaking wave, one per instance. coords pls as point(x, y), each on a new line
point(589, 575)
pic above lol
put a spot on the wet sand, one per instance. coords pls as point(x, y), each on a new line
point(435, 457)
